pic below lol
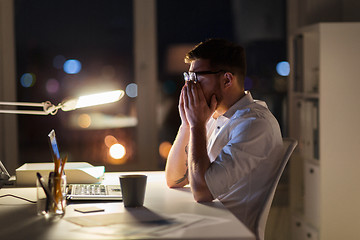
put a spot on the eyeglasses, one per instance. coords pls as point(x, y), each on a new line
point(193, 76)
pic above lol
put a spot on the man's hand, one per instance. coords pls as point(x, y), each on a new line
point(196, 108)
point(197, 113)
point(184, 121)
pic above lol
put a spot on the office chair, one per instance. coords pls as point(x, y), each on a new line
point(289, 146)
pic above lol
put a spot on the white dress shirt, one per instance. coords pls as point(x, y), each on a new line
point(244, 146)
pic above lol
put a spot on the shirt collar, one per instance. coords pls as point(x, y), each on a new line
point(244, 101)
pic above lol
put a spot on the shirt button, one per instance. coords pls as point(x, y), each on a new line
point(218, 127)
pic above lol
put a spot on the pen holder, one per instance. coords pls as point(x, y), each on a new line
point(52, 203)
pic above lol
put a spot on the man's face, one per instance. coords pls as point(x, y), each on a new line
point(210, 83)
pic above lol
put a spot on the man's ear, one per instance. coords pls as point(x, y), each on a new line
point(228, 79)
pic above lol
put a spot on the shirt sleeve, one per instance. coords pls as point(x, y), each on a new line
point(249, 144)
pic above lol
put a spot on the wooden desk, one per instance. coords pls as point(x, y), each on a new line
point(18, 219)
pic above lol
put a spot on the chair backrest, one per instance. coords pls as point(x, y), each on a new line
point(288, 145)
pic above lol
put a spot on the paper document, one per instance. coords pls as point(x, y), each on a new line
point(153, 226)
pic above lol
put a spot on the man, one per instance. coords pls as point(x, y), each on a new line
point(228, 145)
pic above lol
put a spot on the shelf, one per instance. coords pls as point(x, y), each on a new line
point(323, 116)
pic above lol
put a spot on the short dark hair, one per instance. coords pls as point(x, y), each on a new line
point(223, 55)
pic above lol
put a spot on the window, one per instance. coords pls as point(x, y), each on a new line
point(71, 48)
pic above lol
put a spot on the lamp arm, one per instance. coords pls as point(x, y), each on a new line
point(48, 108)
point(26, 104)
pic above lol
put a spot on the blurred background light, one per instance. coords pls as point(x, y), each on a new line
point(132, 90)
point(52, 85)
point(283, 68)
point(72, 66)
point(117, 151)
point(100, 121)
point(164, 149)
point(110, 140)
point(28, 80)
point(84, 120)
point(58, 61)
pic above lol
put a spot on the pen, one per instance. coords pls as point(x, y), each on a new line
point(50, 186)
point(59, 191)
point(63, 165)
point(46, 190)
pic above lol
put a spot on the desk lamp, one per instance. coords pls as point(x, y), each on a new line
point(67, 104)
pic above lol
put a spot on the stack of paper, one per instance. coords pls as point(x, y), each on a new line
point(76, 172)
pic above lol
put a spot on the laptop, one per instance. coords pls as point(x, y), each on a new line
point(85, 192)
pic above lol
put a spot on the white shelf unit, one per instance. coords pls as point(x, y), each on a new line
point(324, 115)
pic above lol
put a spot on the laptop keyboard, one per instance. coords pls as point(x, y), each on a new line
point(93, 192)
point(88, 189)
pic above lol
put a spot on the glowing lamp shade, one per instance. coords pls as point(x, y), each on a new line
point(92, 100)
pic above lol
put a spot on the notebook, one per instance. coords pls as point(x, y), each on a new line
point(86, 191)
